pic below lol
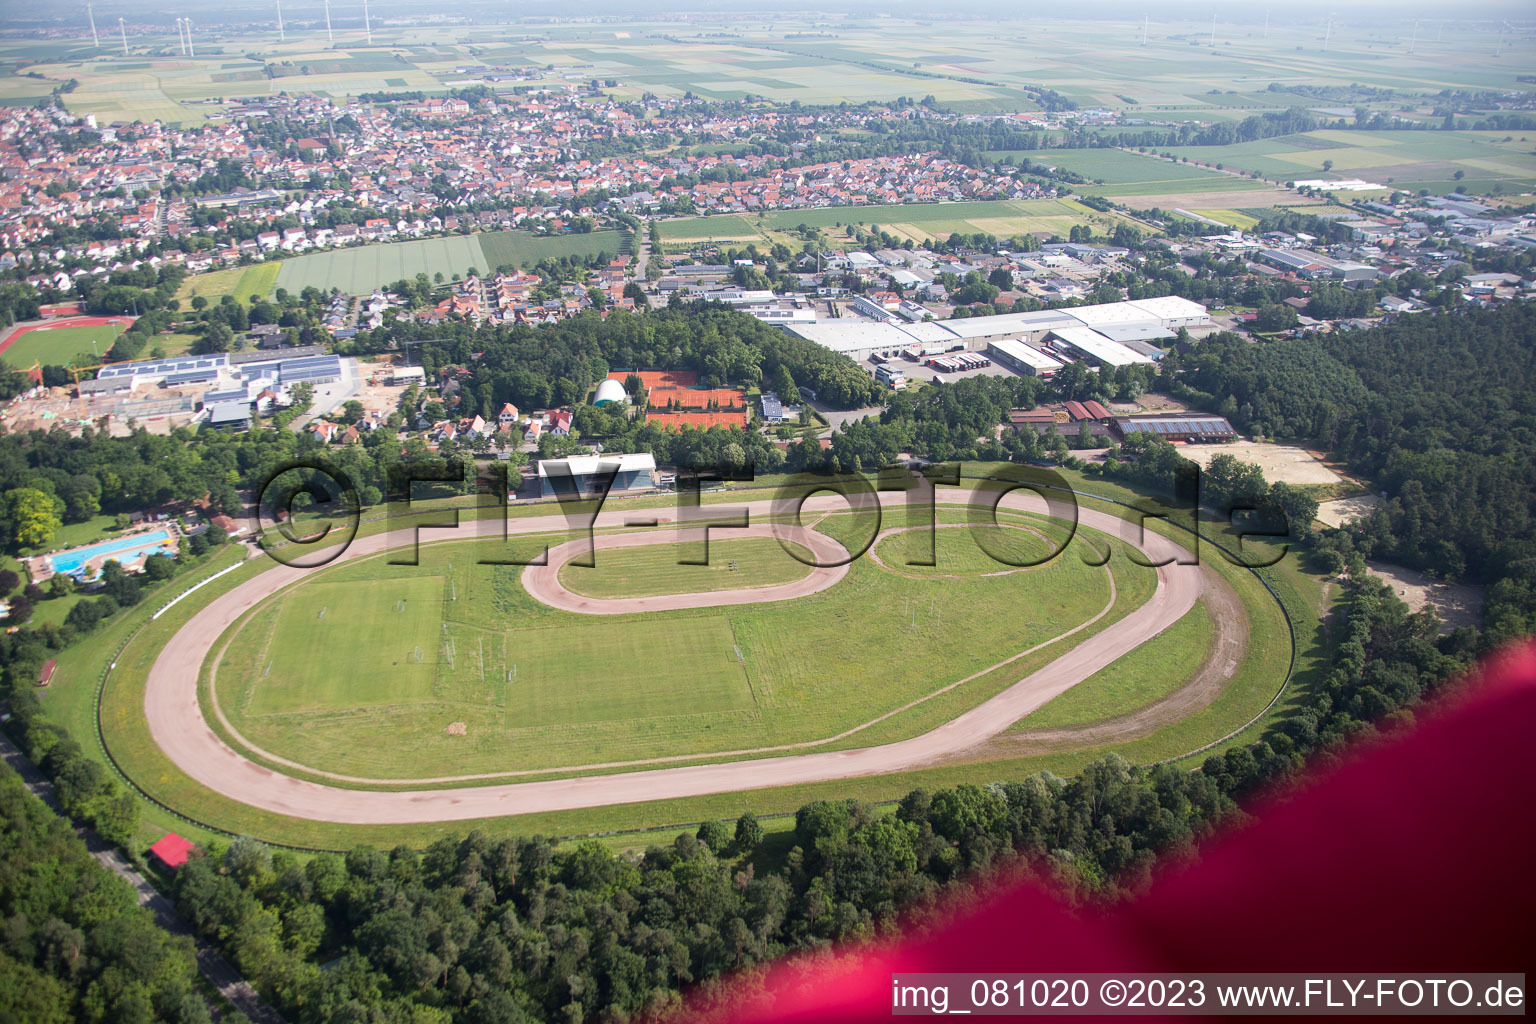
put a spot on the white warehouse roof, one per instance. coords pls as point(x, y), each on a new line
point(1171, 307)
point(1094, 345)
point(850, 335)
point(1113, 314)
point(930, 332)
point(1027, 355)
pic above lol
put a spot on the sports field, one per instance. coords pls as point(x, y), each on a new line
point(361, 269)
point(506, 683)
point(657, 568)
point(59, 346)
point(126, 735)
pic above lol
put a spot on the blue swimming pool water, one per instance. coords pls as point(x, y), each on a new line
point(72, 561)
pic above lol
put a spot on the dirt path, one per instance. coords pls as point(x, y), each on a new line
point(1230, 624)
point(176, 722)
point(543, 581)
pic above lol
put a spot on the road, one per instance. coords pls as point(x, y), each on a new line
point(214, 967)
point(177, 726)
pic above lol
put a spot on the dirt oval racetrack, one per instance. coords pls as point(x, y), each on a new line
point(176, 723)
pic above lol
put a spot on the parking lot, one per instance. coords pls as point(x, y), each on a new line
point(917, 373)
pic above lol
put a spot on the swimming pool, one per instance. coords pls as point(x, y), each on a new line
point(72, 562)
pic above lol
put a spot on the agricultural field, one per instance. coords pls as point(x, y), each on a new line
point(919, 221)
point(518, 248)
point(1404, 159)
point(361, 269)
point(241, 282)
point(59, 346)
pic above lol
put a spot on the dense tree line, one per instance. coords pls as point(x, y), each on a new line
point(76, 947)
point(1437, 411)
point(556, 364)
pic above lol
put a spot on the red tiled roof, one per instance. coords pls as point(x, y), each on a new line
point(172, 850)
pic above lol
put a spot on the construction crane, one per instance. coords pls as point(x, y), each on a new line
point(76, 371)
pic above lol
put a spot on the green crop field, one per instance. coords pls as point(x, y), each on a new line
point(241, 282)
point(656, 569)
point(361, 269)
point(1406, 159)
point(58, 346)
point(518, 248)
point(918, 221)
point(699, 682)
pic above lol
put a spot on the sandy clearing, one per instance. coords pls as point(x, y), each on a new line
point(1281, 463)
point(1457, 604)
point(176, 722)
point(1346, 510)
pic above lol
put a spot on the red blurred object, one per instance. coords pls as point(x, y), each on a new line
point(1413, 856)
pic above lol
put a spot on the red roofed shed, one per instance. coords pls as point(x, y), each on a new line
point(45, 675)
point(172, 850)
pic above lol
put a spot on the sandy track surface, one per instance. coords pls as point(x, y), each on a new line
point(543, 581)
point(177, 725)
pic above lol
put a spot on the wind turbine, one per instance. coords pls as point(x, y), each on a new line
point(1146, 23)
point(328, 35)
point(1413, 40)
point(1327, 33)
point(367, 25)
point(280, 36)
point(124, 33)
point(92, 16)
point(191, 50)
point(1266, 24)
point(1213, 31)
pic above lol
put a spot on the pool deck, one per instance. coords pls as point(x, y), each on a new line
point(40, 567)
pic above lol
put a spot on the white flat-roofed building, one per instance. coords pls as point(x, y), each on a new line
point(931, 332)
point(858, 339)
point(979, 331)
point(580, 473)
point(1142, 319)
point(1090, 344)
point(1174, 312)
point(1115, 314)
point(1022, 358)
point(1137, 332)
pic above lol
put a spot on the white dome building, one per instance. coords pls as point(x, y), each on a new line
point(610, 391)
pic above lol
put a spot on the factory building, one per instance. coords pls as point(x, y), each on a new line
point(1143, 321)
point(1022, 359)
point(1086, 343)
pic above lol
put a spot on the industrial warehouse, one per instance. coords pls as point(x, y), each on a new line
point(1037, 343)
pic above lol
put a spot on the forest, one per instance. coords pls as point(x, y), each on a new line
point(76, 946)
point(1438, 411)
